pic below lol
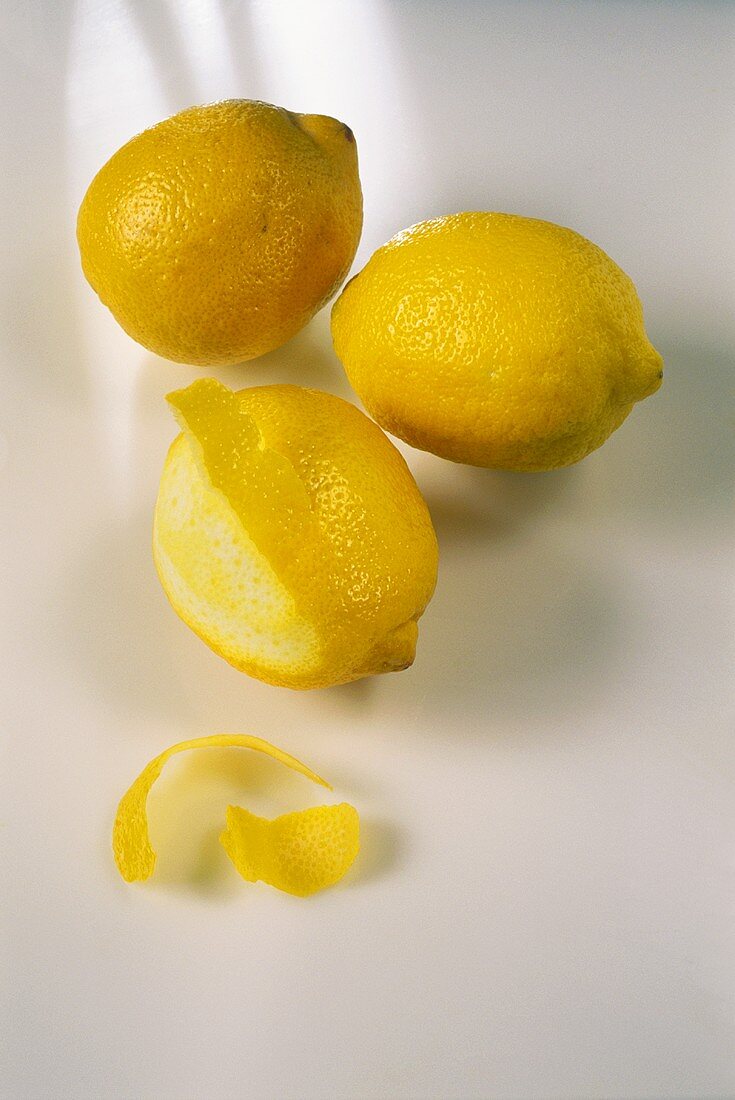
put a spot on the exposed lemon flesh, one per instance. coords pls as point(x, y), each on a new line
point(212, 567)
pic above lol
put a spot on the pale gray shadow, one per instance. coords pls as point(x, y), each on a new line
point(248, 71)
point(210, 873)
point(162, 40)
point(130, 647)
point(517, 625)
point(165, 42)
point(514, 622)
point(358, 694)
point(673, 460)
point(307, 359)
point(355, 688)
point(39, 314)
point(382, 850)
point(540, 634)
point(481, 505)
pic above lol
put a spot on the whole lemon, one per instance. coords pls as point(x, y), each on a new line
point(290, 535)
point(216, 235)
point(495, 340)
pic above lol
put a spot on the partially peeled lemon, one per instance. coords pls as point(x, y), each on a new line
point(290, 535)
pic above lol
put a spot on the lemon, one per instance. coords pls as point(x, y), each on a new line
point(216, 235)
point(290, 535)
point(495, 340)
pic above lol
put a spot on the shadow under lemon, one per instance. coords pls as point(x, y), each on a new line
point(534, 602)
point(670, 468)
point(521, 623)
point(137, 654)
point(472, 505)
point(307, 359)
point(382, 851)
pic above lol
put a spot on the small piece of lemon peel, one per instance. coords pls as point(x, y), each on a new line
point(300, 852)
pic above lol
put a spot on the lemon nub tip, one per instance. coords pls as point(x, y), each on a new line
point(654, 374)
point(399, 650)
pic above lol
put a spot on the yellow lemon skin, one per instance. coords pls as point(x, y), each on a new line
point(299, 853)
point(495, 340)
point(291, 537)
point(214, 236)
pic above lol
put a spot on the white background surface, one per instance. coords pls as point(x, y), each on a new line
point(544, 906)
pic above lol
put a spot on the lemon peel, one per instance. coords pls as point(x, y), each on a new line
point(299, 852)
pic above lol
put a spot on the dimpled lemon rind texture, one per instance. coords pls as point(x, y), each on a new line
point(131, 845)
point(303, 552)
point(495, 340)
point(214, 236)
point(299, 853)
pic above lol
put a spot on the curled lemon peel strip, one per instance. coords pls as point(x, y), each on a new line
point(299, 853)
point(135, 857)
